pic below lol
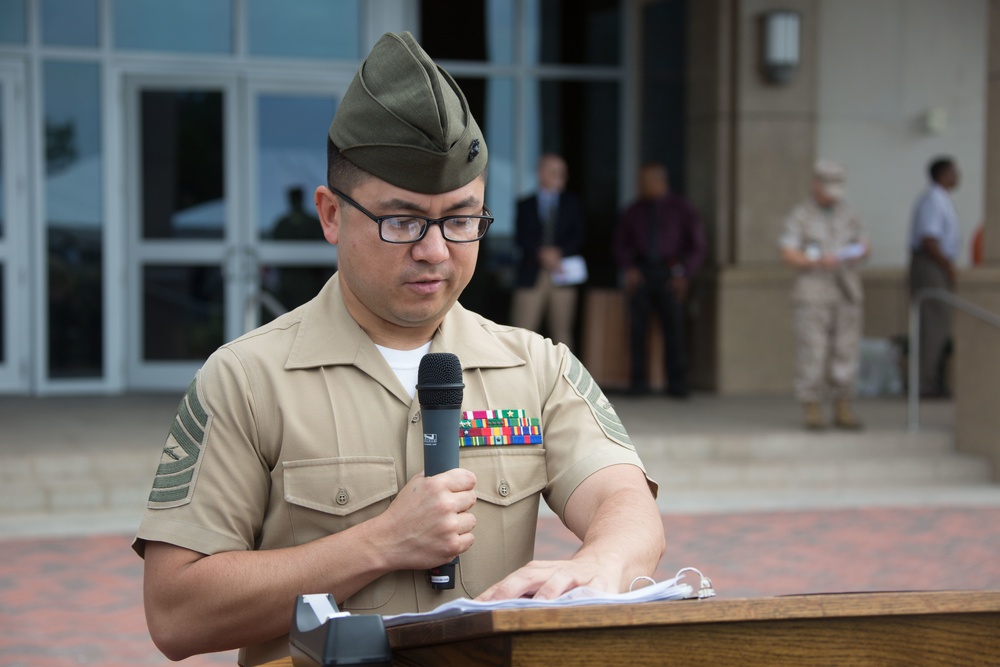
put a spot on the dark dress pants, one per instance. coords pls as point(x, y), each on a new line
point(656, 296)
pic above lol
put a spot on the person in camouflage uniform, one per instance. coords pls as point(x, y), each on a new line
point(824, 240)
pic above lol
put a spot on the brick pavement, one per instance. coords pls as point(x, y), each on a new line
point(73, 601)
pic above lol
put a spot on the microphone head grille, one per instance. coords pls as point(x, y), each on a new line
point(439, 379)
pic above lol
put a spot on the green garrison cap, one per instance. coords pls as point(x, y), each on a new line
point(406, 121)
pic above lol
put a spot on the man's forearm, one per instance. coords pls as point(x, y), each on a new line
point(627, 532)
point(234, 599)
point(197, 603)
point(622, 529)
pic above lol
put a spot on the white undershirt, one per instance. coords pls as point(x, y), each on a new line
point(405, 364)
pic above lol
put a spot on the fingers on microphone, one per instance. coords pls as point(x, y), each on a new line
point(460, 479)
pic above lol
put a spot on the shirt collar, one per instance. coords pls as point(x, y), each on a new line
point(329, 336)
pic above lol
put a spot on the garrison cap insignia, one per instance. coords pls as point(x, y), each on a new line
point(603, 411)
point(473, 149)
point(178, 469)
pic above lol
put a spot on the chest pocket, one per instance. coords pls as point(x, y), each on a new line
point(326, 496)
point(509, 481)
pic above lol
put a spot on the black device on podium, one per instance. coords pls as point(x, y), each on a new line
point(342, 640)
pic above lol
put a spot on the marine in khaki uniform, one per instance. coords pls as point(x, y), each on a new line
point(294, 464)
point(825, 241)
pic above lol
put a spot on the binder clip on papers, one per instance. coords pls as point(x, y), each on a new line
point(323, 636)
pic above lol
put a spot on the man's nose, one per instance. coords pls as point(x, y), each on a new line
point(433, 247)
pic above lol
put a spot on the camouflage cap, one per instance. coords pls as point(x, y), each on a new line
point(406, 121)
point(832, 175)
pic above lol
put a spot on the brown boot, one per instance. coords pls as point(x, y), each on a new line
point(814, 416)
point(844, 416)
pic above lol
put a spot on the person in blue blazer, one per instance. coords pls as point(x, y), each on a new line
point(549, 228)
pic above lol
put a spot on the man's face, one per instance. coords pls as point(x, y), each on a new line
point(949, 178)
point(821, 195)
point(653, 183)
point(552, 174)
point(399, 290)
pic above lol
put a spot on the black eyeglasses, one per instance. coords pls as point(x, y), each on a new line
point(412, 228)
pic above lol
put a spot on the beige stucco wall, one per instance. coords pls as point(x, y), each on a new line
point(756, 342)
point(977, 345)
point(883, 65)
point(977, 369)
point(869, 72)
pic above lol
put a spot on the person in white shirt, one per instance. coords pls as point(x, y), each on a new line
point(934, 244)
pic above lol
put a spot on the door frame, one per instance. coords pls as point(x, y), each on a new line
point(241, 252)
point(258, 251)
point(171, 375)
point(15, 370)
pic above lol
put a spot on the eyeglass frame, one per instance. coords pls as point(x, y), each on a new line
point(378, 219)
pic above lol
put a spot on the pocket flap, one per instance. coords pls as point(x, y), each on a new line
point(340, 485)
point(506, 474)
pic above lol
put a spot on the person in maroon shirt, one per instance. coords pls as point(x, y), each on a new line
point(659, 246)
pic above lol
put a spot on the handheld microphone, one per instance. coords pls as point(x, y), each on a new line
point(439, 389)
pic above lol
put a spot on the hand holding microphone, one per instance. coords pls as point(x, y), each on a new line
point(439, 388)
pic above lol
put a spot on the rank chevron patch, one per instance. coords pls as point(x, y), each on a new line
point(604, 412)
point(178, 469)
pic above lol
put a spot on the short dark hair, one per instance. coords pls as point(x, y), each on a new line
point(341, 173)
point(939, 166)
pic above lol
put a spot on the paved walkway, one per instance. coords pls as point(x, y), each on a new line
point(70, 587)
point(78, 600)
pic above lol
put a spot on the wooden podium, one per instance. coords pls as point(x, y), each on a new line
point(920, 628)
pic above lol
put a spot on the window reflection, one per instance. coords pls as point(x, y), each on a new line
point(13, 27)
point(664, 64)
point(304, 29)
point(74, 219)
point(3, 312)
point(491, 102)
point(291, 162)
point(580, 120)
point(183, 164)
point(575, 32)
point(478, 30)
point(182, 312)
point(291, 285)
point(3, 210)
point(69, 22)
point(186, 26)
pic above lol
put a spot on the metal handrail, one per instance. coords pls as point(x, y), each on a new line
point(913, 382)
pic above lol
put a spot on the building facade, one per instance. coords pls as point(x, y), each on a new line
point(150, 152)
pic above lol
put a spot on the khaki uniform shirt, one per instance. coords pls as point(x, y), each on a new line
point(300, 429)
point(826, 232)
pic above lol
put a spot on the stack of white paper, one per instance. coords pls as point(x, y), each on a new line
point(665, 590)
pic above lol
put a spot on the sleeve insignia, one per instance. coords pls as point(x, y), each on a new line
point(178, 469)
point(602, 409)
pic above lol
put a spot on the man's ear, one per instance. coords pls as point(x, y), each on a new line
point(328, 208)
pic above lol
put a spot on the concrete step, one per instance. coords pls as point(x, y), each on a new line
point(106, 479)
point(98, 480)
point(867, 472)
point(791, 445)
point(797, 460)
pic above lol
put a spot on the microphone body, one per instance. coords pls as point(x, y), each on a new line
point(439, 388)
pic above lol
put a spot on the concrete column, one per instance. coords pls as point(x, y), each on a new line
point(991, 213)
point(977, 345)
point(751, 146)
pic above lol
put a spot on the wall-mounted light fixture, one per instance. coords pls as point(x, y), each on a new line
point(780, 42)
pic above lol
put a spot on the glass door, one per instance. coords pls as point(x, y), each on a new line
point(222, 227)
point(290, 259)
point(15, 317)
point(184, 260)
